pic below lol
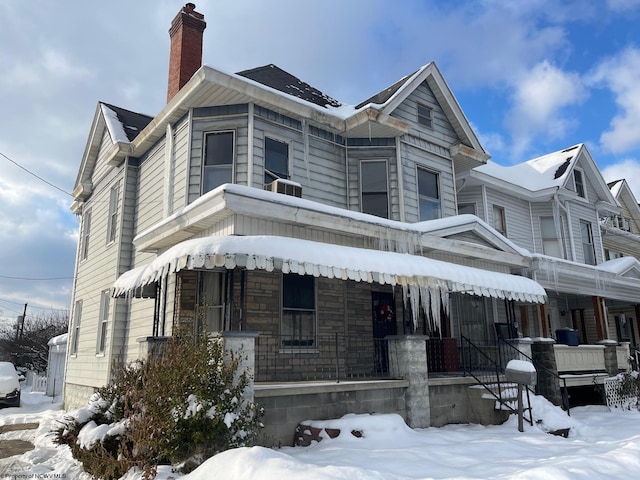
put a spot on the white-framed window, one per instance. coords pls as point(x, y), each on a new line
point(466, 209)
point(84, 237)
point(499, 220)
point(298, 326)
point(425, 115)
point(428, 195)
point(219, 152)
point(578, 181)
point(588, 247)
point(75, 332)
point(212, 299)
point(112, 226)
point(276, 160)
point(374, 188)
point(103, 321)
point(551, 242)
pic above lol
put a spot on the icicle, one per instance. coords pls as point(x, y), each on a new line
point(434, 296)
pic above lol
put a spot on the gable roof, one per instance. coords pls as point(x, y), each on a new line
point(622, 192)
point(544, 176)
point(124, 124)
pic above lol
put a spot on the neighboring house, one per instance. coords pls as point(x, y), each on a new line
point(553, 206)
point(255, 203)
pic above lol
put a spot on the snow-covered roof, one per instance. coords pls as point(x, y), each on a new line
point(291, 255)
point(59, 340)
point(619, 266)
point(615, 187)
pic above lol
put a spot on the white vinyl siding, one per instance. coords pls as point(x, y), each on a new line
point(551, 243)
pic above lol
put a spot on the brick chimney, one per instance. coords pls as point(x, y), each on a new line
point(185, 57)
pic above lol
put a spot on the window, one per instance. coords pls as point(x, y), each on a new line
point(424, 116)
point(218, 160)
point(276, 160)
point(499, 220)
point(77, 314)
point(298, 310)
point(550, 242)
point(428, 195)
point(579, 183)
point(84, 238)
point(588, 248)
point(112, 226)
point(373, 178)
point(466, 209)
point(102, 321)
point(212, 288)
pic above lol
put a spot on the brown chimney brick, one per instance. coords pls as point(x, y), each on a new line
point(185, 57)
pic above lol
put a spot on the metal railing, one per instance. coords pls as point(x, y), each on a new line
point(322, 357)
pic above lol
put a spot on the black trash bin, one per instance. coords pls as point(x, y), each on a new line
point(568, 336)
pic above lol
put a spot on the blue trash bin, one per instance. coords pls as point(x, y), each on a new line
point(568, 336)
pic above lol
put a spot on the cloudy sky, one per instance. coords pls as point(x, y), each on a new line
point(532, 76)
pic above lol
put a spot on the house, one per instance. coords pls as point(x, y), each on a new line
point(321, 237)
point(560, 209)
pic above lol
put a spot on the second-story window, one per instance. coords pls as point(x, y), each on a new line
point(579, 183)
point(588, 248)
point(84, 238)
point(276, 160)
point(112, 226)
point(550, 242)
point(374, 188)
point(428, 195)
point(499, 220)
point(466, 209)
point(217, 167)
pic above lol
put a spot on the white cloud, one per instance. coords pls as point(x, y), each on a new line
point(629, 169)
point(623, 5)
point(621, 74)
point(539, 99)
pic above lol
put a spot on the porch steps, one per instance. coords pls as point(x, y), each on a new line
point(492, 403)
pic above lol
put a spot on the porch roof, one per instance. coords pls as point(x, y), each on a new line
point(292, 255)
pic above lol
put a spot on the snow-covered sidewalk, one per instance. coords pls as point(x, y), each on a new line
point(601, 444)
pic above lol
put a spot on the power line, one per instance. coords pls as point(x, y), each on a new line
point(32, 306)
point(36, 279)
point(35, 175)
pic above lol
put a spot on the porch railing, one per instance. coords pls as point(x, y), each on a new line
point(333, 357)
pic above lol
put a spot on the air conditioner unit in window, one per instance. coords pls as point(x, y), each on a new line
point(286, 187)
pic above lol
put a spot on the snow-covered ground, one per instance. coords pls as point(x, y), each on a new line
point(601, 444)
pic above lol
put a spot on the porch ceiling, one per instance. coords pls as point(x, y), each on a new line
point(291, 255)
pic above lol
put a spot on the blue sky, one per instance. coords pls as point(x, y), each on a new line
point(532, 76)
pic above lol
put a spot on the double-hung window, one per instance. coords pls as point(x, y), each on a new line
point(276, 160)
point(298, 310)
point(374, 188)
point(112, 226)
point(466, 209)
point(499, 220)
point(212, 296)
point(550, 242)
point(424, 116)
point(75, 333)
point(588, 248)
point(84, 238)
point(103, 321)
point(579, 183)
point(428, 195)
point(217, 167)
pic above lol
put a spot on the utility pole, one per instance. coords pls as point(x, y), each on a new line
point(20, 325)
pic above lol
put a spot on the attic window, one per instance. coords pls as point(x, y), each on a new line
point(579, 183)
point(424, 116)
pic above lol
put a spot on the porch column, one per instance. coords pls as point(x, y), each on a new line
point(600, 317)
point(544, 321)
point(610, 356)
point(544, 359)
point(243, 346)
point(524, 320)
point(408, 360)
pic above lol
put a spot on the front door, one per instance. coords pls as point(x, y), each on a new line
point(384, 323)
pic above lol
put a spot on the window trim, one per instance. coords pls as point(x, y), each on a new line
point(203, 165)
point(386, 165)
point(592, 249)
point(583, 186)
point(103, 322)
point(77, 316)
point(438, 186)
point(420, 106)
point(473, 204)
point(202, 301)
point(503, 218)
point(313, 347)
point(557, 238)
point(85, 235)
point(289, 144)
point(112, 219)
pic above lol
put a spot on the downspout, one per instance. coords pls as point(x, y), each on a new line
point(486, 205)
point(569, 224)
point(400, 180)
point(169, 167)
point(250, 128)
point(533, 228)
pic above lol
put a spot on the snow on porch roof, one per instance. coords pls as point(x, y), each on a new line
point(292, 255)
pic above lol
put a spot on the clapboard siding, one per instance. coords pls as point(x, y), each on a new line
point(586, 212)
point(517, 217)
point(102, 167)
point(441, 132)
point(539, 209)
point(327, 173)
point(414, 158)
point(356, 155)
point(151, 187)
point(181, 156)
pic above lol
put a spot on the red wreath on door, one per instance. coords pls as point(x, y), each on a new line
point(386, 312)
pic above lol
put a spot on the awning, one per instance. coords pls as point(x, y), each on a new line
point(292, 255)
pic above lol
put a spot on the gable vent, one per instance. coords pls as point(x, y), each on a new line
point(286, 187)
